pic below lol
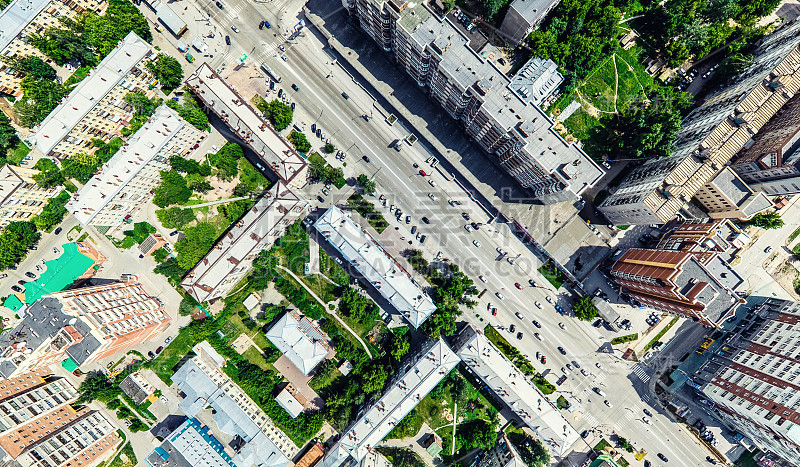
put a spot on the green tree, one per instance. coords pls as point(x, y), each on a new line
point(171, 269)
point(63, 45)
point(8, 134)
point(767, 220)
point(226, 160)
point(401, 343)
point(171, 190)
point(181, 164)
point(476, 434)
point(373, 379)
point(532, 451)
point(198, 183)
point(196, 243)
point(168, 71)
point(142, 104)
point(175, 217)
point(53, 212)
point(279, 114)
point(49, 174)
point(492, 7)
point(80, 166)
point(358, 307)
point(40, 96)
point(30, 65)
point(16, 240)
point(97, 387)
point(584, 309)
point(676, 53)
point(190, 111)
point(187, 306)
point(235, 210)
point(299, 141)
point(329, 148)
point(367, 185)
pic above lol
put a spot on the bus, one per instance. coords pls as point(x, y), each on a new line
point(274, 76)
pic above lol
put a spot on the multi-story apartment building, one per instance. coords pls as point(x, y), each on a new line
point(96, 107)
point(727, 196)
point(712, 134)
point(84, 325)
point(20, 197)
point(522, 17)
point(275, 151)
point(771, 160)
point(202, 383)
point(698, 285)
point(538, 81)
point(40, 427)
point(127, 180)
point(231, 258)
point(752, 380)
point(516, 132)
point(24, 17)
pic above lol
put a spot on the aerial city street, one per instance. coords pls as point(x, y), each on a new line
point(341, 233)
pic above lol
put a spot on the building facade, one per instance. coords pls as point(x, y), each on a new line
point(25, 17)
point(39, 426)
point(698, 285)
point(727, 196)
point(231, 258)
point(21, 197)
point(84, 325)
point(658, 190)
point(517, 134)
point(522, 17)
point(95, 108)
point(752, 381)
point(126, 182)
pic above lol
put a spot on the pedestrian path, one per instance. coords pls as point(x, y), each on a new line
point(639, 371)
point(590, 419)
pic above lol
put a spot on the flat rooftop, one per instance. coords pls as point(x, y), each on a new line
point(89, 92)
point(376, 265)
point(433, 363)
point(16, 16)
point(264, 223)
point(247, 123)
point(525, 400)
point(126, 164)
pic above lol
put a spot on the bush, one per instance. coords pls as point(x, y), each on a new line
point(299, 141)
point(623, 339)
point(53, 212)
point(584, 309)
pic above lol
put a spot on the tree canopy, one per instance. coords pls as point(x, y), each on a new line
point(171, 190)
point(53, 212)
point(767, 220)
point(168, 71)
point(196, 243)
point(279, 114)
point(584, 309)
point(226, 160)
point(190, 111)
point(49, 174)
point(40, 97)
point(367, 184)
point(30, 65)
point(16, 240)
point(299, 141)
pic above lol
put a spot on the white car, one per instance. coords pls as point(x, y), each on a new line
point(561, 325)
point(584, 372)
point(432, 196)
point(598, 365)
point(536, 335)
point(500, 251)
point(518, 315)
point(499, 295)
point(549, 300)
point(538, 305)
point(431, 183)
point(646, 420)
point(468, 227)
point(235, 29)
point(482, 278)
point(476, 243)
point(608, 403)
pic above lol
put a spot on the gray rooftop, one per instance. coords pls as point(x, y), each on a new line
point(532, 10)
point(717, 297)
point(16, 16)
point(42, 321)
point(537, 80)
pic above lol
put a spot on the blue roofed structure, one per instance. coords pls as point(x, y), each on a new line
point(190, 445)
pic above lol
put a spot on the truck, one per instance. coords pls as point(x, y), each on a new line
point(274, 76)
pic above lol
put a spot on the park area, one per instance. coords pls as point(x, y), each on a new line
point(609, 89)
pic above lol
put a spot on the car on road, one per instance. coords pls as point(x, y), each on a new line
point(482, 278)
point(294, 86)
point(432, 196)
point(431, 183)
point(711, 460)
point(475, 242)
point(494, 311)
point(584, 372)
point(561, 325)
point(538, 305)
point(465, 215)
point(220, 6)
point(767, 249)
point(536, 335)
point(562, 351)
point(366, 159)
point(500, 251)
point(266, 23)
point(569, 367)
point(228, 40)
point(647, 412)
point(518, 315)
point(234, 28)
point(151, 355)
point(468, 228)
point(173, 233)
point(549, 300)
point(422, 238)
point(662, 457)
point(532, 283)
point(423, 173)
point(55, 251)
point(512, 328)
point(159, 349)
point(426, 220)
point(167, 340)
point(519, 335)
point(163, 399)
point(57, 231)
point(599, 391)
point(518, 285)
point(544, 359)
point(16, 288)
point(408, 219)
point(320, 199)
point(21, 282)
point(474, 225)
point(585, 434)
point(608, 403)
point(3, 276)
point(646, 420)
point(537, 324)
point(499, 295)
point(31, 275)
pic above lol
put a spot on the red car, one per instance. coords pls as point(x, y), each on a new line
point(494, 311)
point(518, 286)
point(544, 360)
point(422, 172)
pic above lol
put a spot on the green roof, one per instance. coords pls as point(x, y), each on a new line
point(13, 303)
point(59, 273)
point(69, 364)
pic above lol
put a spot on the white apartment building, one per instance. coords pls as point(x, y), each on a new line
point(24, 17)
point(95, 108)
point(127, 180)
point(20, 197)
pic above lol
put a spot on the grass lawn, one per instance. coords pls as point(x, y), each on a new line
point(172, 354)
point(552, 274)
point(624, 339)
point(580, 124)
point(127, 450)
point(253, 355)
point(602, 445)
point(18, 153)
point(77, 76)
point(793, 235)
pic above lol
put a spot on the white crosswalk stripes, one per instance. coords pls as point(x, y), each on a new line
point(639, 371)
point(590, 419)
